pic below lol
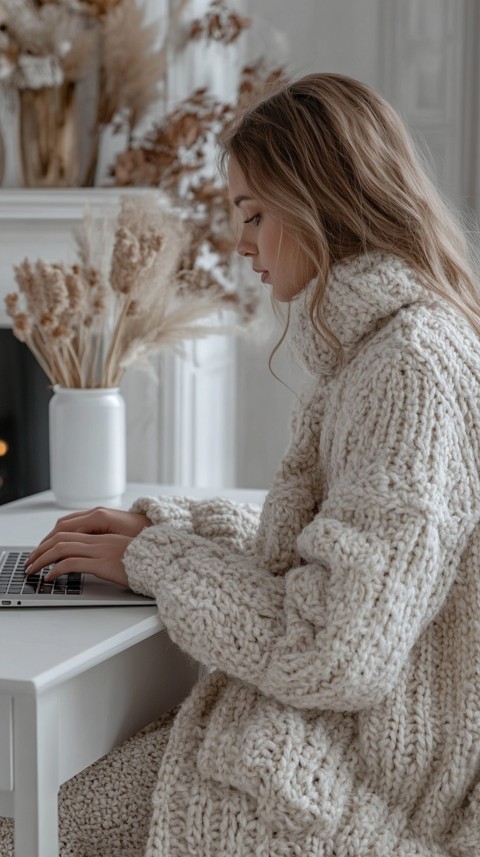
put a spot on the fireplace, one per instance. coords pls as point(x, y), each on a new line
point(180, 429)
point(24, 397)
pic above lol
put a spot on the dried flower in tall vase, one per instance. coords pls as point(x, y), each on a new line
point(131, 71)
point(73, 69)
point(119, 304)
point(58, 55)
point(45, 52)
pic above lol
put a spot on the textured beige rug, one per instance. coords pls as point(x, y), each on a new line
point(105, 810)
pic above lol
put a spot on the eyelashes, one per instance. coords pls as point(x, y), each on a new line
point(254, 219)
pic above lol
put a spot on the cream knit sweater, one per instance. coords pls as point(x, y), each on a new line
point(343, 716)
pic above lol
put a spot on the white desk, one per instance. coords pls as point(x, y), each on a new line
point(75, 682)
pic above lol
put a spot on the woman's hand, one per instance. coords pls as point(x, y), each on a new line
point(93, 542)
point(98, 554)
point(101, 520)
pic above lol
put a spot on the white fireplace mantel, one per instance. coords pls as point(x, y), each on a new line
point(57, 204)
point(181, 428)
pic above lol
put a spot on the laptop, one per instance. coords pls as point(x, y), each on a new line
point(70, 590)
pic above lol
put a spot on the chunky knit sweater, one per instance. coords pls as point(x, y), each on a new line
point(342, 716)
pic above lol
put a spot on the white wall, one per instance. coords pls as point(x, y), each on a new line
point(323, 35)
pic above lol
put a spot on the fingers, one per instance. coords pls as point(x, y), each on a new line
point(100, 555)
point(98, 521)
point(69, 566)
point(89, 521)
point(62, 545)
point(92, 541)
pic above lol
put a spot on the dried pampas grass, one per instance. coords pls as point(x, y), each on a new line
point(87, 323)
point(47, 44)
point(132, 66)
point(176, 156)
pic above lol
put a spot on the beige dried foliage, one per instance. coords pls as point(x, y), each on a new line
point(40, 31)
point(132, 65)
point(45, 45)
point(94, 242)
point(176, 156)
point(77, 62)
point(56, 32)
point(177, 324)
point(219, 24)
point(85, 327)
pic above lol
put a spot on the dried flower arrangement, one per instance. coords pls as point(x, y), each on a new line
point(47, 42)
point(119, 304)
point(50, 46)
point(177, 155)
point(41, 45)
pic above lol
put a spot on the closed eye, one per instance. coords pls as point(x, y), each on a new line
point(254, 219)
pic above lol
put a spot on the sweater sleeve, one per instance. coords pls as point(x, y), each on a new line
point(376, 561)
point(233, 525)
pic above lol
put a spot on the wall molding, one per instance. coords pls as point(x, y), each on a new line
point(429, 72)
point(61, 203)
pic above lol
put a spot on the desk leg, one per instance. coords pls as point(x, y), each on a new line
point(36, 775)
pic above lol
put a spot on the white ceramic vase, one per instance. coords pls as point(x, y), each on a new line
point(87, 447)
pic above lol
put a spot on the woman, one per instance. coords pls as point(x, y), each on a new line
point(343, 715)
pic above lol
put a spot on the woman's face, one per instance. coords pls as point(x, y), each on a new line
point(273, 252)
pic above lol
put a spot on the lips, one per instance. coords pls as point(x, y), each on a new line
point(263, 274)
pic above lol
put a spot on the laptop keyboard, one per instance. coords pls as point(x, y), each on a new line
point(14, 582)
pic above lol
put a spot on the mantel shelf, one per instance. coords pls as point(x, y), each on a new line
point(61, 203)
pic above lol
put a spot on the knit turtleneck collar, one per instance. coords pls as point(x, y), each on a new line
point(361, 294)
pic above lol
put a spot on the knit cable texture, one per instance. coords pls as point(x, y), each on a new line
point(344, 716)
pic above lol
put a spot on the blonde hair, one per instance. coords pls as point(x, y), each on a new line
point(333, 161)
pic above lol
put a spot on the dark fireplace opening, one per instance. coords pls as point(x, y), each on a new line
point(24, 398)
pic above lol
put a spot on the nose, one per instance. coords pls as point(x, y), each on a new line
point(245, 247)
